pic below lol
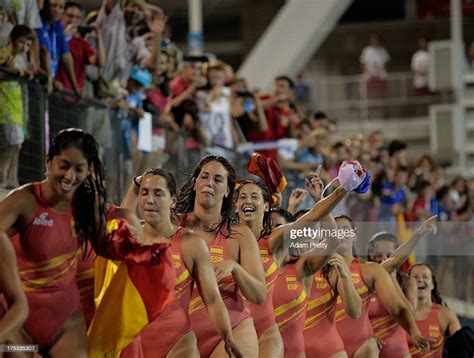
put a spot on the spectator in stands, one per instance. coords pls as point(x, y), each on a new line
point(81, 51)
point(123, 47)
point(393, 196)
point(374, 59)
point(184, 85)
point(215, 117)
point(53, 45)
point(12, 121)
point(247, 108)
point(397, 151)
point(138, 81)
point(424, 206)
point(420, 65)
point(24, 12)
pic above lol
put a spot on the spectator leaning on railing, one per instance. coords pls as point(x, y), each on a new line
point(53, 45)
point(12, 121)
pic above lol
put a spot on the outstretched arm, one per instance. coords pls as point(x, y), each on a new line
point(402, 253)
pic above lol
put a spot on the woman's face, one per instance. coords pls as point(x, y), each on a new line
point(211, 185)
point(424, 280)
point(155, 201)
point(250, 204)
point(66, 171)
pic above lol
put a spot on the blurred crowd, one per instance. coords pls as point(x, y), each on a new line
point(159, 103)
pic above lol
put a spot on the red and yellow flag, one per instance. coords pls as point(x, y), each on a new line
point(129, 295)
point(267, 169)
point(403, 234)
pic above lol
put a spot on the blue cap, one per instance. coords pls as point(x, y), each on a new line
point(142, 76)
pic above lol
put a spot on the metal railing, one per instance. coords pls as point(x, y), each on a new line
point(352, 97)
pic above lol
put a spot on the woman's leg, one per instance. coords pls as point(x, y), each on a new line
point(245, 337)
point(270, 343)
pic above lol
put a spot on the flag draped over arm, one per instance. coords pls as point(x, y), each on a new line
point(130, 293)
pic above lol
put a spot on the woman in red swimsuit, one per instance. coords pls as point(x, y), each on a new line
point(433, 317)
point(369, 277)
point(156, 197)
point(383, 249)
point(204, 206)
point(46, 249)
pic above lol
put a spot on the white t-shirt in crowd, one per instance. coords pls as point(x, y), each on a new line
point(375, 58)
point(420, 65)
point(217, 124)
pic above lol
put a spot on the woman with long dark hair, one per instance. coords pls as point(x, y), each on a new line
point(47, 251)
point(156, 198)
point(204, 205)
point(433, 317)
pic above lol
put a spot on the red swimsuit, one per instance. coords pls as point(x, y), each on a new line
point(263, 315)
point(47, 255)
point(162, 334)
point(355, 332)
point(321, 338)
point(388, 330)
point(290, 303)
point(430, 328)
point(238, 309)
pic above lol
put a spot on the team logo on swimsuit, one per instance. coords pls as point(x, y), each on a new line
point(264, 256)
point(42, 220)
point(291, 283)
point(434, 331)
point(177, 260)
point(217, 254)
point(320, 282)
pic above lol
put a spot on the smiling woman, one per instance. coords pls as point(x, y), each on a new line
point(38, 218)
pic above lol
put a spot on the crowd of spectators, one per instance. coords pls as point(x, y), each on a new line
point(123, 56)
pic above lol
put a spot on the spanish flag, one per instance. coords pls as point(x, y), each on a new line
point(267, 169)
point(403, 234)
point(129, 293)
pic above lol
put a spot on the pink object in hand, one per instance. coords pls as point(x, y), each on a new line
point(351, 174)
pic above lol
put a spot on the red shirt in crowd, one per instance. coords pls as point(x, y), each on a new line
point(81, 52)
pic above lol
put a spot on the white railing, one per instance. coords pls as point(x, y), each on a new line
point(349, 97)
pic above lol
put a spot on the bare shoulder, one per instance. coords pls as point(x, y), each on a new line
point(193, 248)
point(241, 232)
point(19, 204)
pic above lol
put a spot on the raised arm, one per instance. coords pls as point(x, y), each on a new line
point(402, 253)
point(345, 287)
point(394, 304)
point(200, 265)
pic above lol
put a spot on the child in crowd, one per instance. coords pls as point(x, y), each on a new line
point(12, 121)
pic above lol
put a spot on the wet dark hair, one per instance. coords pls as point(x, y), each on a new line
point(90, 197)
point(382, 236)
point(267, 216)
point(283, 213)
point(165, 174)
point(187, 195)
point(435, 293)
